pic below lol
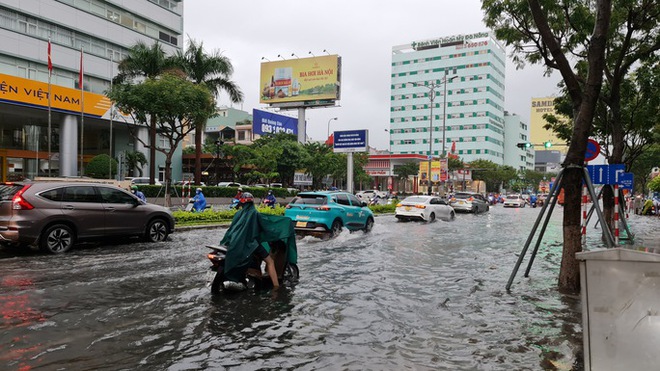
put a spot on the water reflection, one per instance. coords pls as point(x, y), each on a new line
point(406, 296)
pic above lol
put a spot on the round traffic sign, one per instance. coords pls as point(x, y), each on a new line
point(593, 150)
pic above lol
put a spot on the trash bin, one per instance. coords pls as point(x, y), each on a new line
point(620, 309)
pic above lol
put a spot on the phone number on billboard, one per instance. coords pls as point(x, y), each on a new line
point(270, 129)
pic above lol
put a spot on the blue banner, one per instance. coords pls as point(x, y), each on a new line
point(264, 122)
point(351, 141)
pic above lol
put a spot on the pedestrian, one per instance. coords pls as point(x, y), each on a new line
point(199, 201)
point(138, 194)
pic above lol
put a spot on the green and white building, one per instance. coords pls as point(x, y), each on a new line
point(471, 70)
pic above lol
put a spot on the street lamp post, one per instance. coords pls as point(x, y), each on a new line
point(334, 118)
point(444, 110)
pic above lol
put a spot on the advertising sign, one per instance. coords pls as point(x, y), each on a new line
point(351, 141)
point(300, 80)
point(32, 93)
point(264, 122)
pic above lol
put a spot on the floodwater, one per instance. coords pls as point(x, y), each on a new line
point(406, 296)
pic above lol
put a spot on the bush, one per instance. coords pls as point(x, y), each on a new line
point(100, 167)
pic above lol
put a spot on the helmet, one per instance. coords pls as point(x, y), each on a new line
point(198, 190)
point(246, 197)
point(134, 187)
point(270, 192)
point(240, 189)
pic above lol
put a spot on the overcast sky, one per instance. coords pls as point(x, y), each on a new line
point(362, 32)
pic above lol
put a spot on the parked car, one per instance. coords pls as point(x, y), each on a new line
point(143, 181)
point(229, 184)
point(325, 213)
point(514, 201)
point(425, 208)
point(186, 183)
point(469, 202)
point(55, 215)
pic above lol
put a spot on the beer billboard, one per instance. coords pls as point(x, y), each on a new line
point(301, 82)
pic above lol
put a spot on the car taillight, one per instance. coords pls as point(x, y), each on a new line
point(420, 206)
point(471, 199)
point(323, 208)
point(19, 203)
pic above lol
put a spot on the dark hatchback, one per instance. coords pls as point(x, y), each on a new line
point(55, 215)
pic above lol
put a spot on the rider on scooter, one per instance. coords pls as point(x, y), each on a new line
point(244, 250)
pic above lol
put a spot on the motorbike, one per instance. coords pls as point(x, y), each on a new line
point(287, 272)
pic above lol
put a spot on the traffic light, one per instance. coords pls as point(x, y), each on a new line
point(524, 145)
point(547, 144)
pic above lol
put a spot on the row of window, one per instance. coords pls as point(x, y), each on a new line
point(488, 152)
point(483, 76)
point(395, 120)
point(450, 140)
point(450, 69)
point(125, 18)
point(480, 89)
point(448, 56)
point(469, 102)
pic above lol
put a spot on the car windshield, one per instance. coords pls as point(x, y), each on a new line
point(310, 200)
point(415, 200)
point(513, 197)
point(462, 195)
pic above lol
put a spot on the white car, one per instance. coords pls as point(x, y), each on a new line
point(425, 208)
point(514, 201)
point(369, 194)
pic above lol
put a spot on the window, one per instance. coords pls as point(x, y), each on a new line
point(115, 196)
point(80, 194)
point(53, 194)
point(342, 199)
point(355, 201)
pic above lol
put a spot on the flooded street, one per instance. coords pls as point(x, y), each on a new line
point(406, 296)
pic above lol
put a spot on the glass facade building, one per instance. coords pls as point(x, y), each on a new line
point(82, 39)
point(451, 87)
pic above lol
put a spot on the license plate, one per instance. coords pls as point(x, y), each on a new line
point(461, 202)
point(301, 224)
point(407, 208)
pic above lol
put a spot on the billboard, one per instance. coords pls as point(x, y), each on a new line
point(264, 122)
point(296, 81)
point(351, 141)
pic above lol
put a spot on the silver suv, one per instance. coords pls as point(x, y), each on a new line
point(55, 215)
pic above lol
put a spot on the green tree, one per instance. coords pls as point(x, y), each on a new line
point(292, 155)
point(145, 61)
point(214, 72)
point(101, 167)
point(175, 102)
point(134, 161)
point(641, 168)
point(548, 32)
point(405, 171)
point(321, 161)
point(654, 184)
point(236, 157)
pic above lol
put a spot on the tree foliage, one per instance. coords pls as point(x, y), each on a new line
point(101, 167)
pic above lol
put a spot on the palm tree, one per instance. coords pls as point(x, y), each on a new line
point(149, 62)
point(135, 160)
point(213, 71)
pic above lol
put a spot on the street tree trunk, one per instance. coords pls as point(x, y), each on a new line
point(584, 96)
point(152, 150)
point(198, 153)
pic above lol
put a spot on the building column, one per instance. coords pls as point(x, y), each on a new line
point(69, 146)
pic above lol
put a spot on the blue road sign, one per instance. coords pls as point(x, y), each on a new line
point(351, 141)
point(605, 174)
point(626, 181)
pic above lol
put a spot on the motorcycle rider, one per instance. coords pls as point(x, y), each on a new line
point(247, 221)
point(138, 194)
point(270, 199)
point(199, 201)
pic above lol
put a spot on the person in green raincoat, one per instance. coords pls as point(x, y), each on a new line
point(248, 242)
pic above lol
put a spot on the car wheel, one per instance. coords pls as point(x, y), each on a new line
point(57, 239)
point(369, 225)
point(431, 217)
point(474, 210)
point(452, 216)
point(336, 228)
point(157, 231)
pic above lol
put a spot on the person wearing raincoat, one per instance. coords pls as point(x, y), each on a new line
point(249, 240)
point(199, 201)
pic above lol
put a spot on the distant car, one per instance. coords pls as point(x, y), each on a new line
point(425, 208)
point(514, 201)
point(260, 185)
point(276, 185)
point(368, 194)
point(325, 213)
point(143, 181)
point(185, 183)
point(229, 184)
point(469, 202)
point(55, 215)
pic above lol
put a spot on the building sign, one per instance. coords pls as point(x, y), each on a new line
point(351, 141)
point(302, 179)
point(264, 122)
point(30, 93)
point(301, 80)
point(433, 43)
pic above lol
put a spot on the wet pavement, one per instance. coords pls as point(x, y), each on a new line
point(406, 296)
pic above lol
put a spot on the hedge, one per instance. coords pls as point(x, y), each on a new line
point(212, 191)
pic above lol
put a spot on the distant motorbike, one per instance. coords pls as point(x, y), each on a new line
point(288, 273)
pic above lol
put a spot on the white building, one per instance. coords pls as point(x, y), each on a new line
point(516, 131)
point(471, 70)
